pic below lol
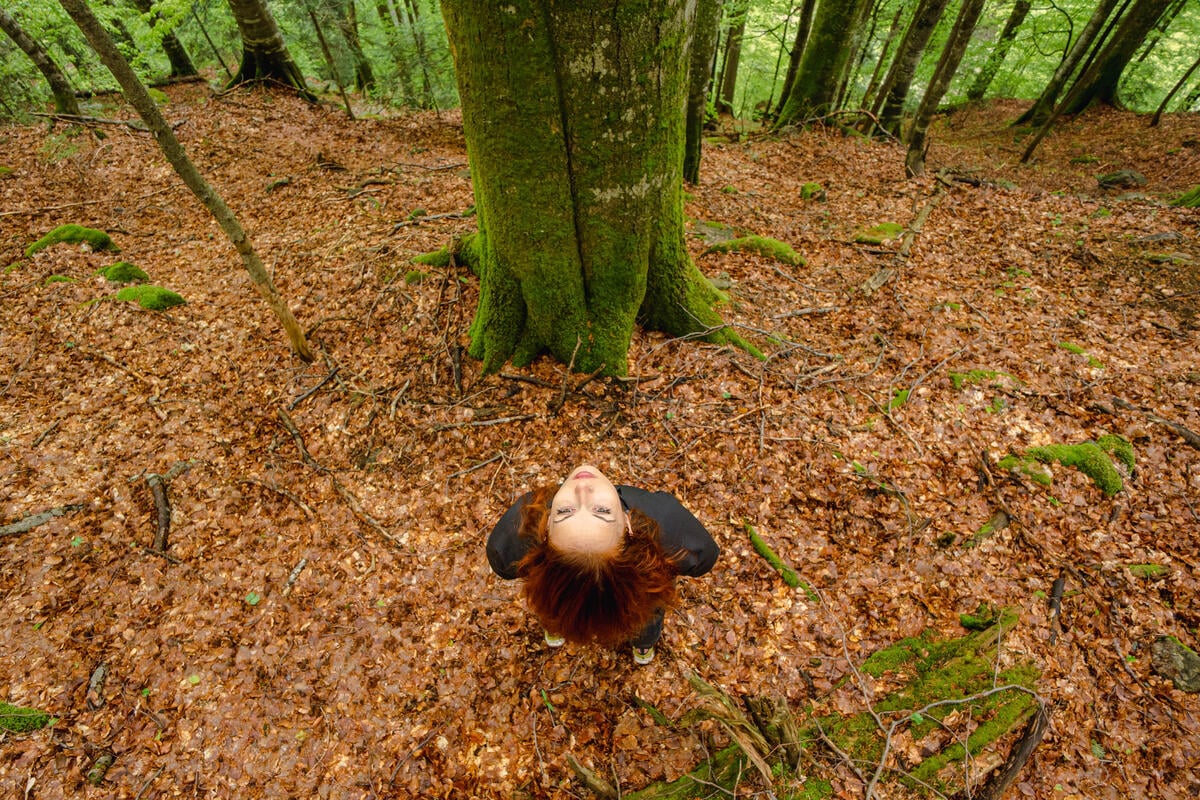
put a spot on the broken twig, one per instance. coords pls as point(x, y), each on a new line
point(32, 521)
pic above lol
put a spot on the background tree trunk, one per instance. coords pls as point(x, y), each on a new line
point(986, 75)
point(735, 29)
point(140, 99)
point(826, 55)
point(706, 28)
point(1099, 81)
point(807, 11)
point(364, 75)
point(889, 106)
point(1044, 105)
point(1162, 107)
point(579, 202)
point(877, 74)
point(177, 54)
point(391, 31)
point(64, 95)
point(264, 54)
point(956, 46)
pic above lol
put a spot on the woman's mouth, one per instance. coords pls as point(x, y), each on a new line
point(583, 473)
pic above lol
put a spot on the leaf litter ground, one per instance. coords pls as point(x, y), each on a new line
point(326, 624)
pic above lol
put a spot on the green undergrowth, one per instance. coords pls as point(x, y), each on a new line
point(1189, 199)
point(989, 377)
point(1071, 347)
point(1094, 459)
point(16, 719)
point(74, 234)
point(924, 687)
point(763, 246)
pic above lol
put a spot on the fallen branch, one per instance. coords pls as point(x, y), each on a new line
point(158, 490)
point(299, 440)
point(480, 465)
point(309, 392)
point(32, 521)
point(876, 281)
point(308, 512)
point(1188, 435)
point(479, 423)
point(1030, 738)
point(365, 518)
point(597, 785)
point(294, 576)
point(1056, 595)
point(763, 549)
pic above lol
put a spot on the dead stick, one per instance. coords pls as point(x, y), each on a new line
point(1186, 433)
point(480, 465)
point(95, 775)
point(365, 518)
point(34, 520)
point(158, 490)
point(309, 392)
point(1056, 595)
point(1031, 737)
point(299, 440)
point(291, 581)
point(598, 786)
point(763, 549)
point(308, 512)
point(479, 423)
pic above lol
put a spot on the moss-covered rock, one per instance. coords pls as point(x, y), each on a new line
point(763, 246)
point(1119, 448)
point(878, 234)
point(1177, 662)
point(152, 297)
point(53, 279)
point(74, 234)
point(1031, 468)
point(16, 719)
point(123, 272)
point(812, 191)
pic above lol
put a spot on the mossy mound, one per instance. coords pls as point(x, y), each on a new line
point(1189, 199)
point(15, 719)
point(123, 272)
point(1090, 458)
point(6, 172)
point(436, 258)
point(763, 246)
point(812, 191)
point(933, 685)
point(883, 232)
point(53, 279)
point(74, 234)
point(154, 298)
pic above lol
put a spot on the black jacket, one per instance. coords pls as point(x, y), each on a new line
point(680, 532)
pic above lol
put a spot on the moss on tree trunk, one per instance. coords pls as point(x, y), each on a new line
point(574, 118)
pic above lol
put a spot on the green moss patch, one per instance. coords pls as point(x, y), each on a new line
point(6, 172)
point(53, 279)
point(1090, 458)
point(763, 246)
point(990, 377)
point(1189, 199)
point(154, 298)
point(436, 258)
point(123, 272)
point(74, 234)
point(1071, 347)
point(812, 191)
point(883, 232)
point(1149, 571)
point(16, 719)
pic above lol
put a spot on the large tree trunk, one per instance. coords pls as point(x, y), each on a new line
point(1044, 105)
point(574, 119)
point(1099, 81)
point(826, 56)
point(264, 54)
point(177, 54)
point(706, 28)
point(986, 75)
point(956, 46)
point(64, 95)
point(889, 105)
point(140, 99)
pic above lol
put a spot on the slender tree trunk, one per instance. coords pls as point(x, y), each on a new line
point(216, 53)
point(330, 61)
point(858, 43)
point(889, 106)
point(347, 20)
point(814, 91)
point(1174, 89)
point(986, 75)
point(140, 99)
point(579, 202)
point(1160, 29)
point(952, 54)
point(1044, 105)
point(807, 12)
point(64, 95)
point(177, 54)
point(732, 57)
point(704, 51)
point(391, 31)
point(418, 34)
point(264, 54)
point(1099, 82)
point(873, 85)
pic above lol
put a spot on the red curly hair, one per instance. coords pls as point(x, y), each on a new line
point(606, 600)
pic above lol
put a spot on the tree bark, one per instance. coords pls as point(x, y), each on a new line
point(1044, 105)
point(952, 53)
point(574, 120)
point(391, 30)
point(140, 99)
point(873, 85)
point(264, 54)
point(983, 80)
point(60, 87)
point(732, 57)
point(807, 11)
point(706, 27)
point(826, 55)
point(889, 106)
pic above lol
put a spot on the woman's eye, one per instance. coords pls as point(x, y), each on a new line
point(564, 510)
point(603, 510)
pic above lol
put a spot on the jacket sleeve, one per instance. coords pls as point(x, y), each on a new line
point(505, 545)
point(682, 535)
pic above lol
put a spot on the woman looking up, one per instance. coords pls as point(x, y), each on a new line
point(598, 561)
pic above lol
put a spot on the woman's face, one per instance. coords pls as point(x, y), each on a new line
point(586, 514)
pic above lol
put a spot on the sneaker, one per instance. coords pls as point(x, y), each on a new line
point(554, 641)
point(643, 655)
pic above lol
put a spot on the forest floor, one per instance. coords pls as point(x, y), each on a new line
point(323, 622)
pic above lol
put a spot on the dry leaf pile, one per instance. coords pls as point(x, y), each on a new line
point(322, 622)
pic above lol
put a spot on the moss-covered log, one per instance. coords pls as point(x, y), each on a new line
point(574, 119)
